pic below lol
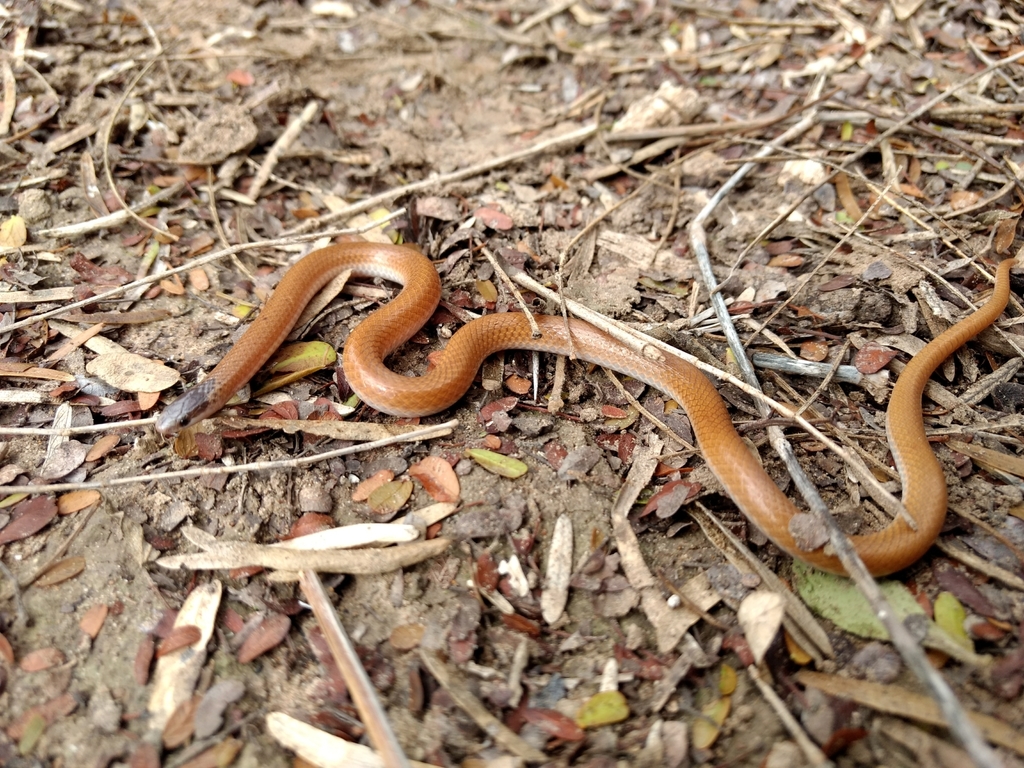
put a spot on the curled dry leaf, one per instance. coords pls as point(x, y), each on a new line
point(76, 501)
point(92, 621)
point(268, 635)
point(44, 658)
point(437, 478)
point(217, 756)
point(62, 570)
point(178, 638)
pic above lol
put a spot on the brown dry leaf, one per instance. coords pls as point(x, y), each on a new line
point(61, 571)
point(373, 482)
point(518, 384)
point(145, 756)
point(217, 756)
point(44, 658)
point(437, 478)
point(872, 357)
point(847, 198)
point(309, 523)
point(407, 636)
point(492, 218)
point(179, 727)
point(173, 285)
point(1005, 232)
point(76, 501)
point(389, 498)
point(963, 198)
point(92, 621)
point(815, 351)
point(268, 635)
point(51, 712)
point(143, 659)
point(148, 400)
point(6, 651)
point(178, 638)
point(199, 280)
point(29, 517)
point(102, 447)
point(786, 260)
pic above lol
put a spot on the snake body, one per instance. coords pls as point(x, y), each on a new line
point(753, 491)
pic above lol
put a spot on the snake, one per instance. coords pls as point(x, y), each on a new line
point(736, 466)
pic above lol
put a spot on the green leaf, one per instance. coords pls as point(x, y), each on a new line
point(950, 614)
point(838, 600)
point(498, 463)
point(603, 708)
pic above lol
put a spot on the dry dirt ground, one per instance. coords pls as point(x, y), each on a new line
point(192, 97)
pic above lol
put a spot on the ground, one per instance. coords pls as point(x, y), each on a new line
point(469, 121)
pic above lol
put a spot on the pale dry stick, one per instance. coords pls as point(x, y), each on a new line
point(10, 97)
point(382, 737)
point(573, 137)
point(502, 735)
point(211, 192)
point(210, 257)
point(426, 433)
point(111, 220)
point(285, 140)
point(105, 146)
point(543, 15)
point(811, 751)
point(968, 736)
point(507, 282)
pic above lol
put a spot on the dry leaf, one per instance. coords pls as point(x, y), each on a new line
point(437, 478)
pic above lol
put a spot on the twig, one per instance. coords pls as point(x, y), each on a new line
point(434, 430)
point(285, 140)
point(370, 710)
point(811, 751)
point(104, 150)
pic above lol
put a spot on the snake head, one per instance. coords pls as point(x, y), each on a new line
point(194, 406)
